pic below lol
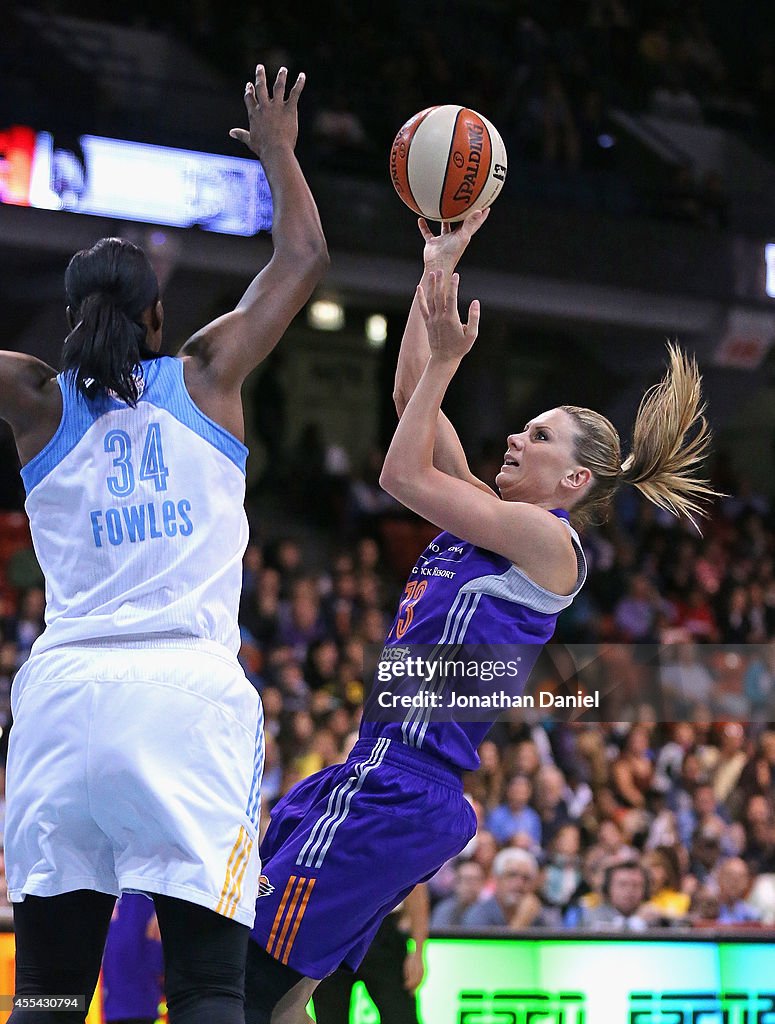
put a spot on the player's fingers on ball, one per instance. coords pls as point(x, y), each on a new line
point(478, 218)
point(425, 231)
point(298, 85)
point(471, 224)
point(446, 227)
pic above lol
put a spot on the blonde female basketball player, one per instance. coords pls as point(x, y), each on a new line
point(346, 845)
point(136, 752)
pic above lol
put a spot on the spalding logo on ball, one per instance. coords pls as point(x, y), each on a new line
point(448, 161)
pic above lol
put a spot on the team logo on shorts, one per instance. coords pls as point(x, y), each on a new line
point(265, 887)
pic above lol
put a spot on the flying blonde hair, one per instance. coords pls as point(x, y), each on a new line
point(670, 438)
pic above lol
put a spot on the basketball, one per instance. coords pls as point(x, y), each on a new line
point(448, 161)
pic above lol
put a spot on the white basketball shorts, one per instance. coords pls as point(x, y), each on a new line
point(136, 767)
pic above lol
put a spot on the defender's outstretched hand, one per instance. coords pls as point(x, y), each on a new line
point(273, 120)
point(443, 251)
point(447, 335)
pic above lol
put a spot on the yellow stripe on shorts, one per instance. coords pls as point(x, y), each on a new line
point(297, 922)
point(288, 918)
point(241, 867)
point(227, 904)
point(279, 915)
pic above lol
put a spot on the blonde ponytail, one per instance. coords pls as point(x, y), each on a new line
point(670, 438)
point(665, 453)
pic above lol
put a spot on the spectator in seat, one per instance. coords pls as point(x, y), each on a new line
point(514, 904)
point(734, 881)
point(469, 878)
point(515, 815)
point(624, 891)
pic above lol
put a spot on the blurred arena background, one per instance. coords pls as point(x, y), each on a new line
point(639, 206)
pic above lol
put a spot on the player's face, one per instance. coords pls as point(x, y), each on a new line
point(538, 460)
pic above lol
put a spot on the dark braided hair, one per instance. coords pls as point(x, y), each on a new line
point(108, 288)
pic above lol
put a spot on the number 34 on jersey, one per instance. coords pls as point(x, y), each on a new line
point(151, 520)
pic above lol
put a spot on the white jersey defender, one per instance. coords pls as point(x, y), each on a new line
point(137, 517)
point(137, 520)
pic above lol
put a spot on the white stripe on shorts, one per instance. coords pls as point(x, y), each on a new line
point(314, 850)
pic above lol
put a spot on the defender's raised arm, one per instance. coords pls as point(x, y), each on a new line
point(234, 344)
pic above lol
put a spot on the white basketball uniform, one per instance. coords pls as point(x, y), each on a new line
point(136, 753)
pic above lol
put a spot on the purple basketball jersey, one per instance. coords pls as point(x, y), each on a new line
point(460, 594)
point(397, 802)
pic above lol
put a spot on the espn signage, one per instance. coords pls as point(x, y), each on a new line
point(594, 981)
point(134, 181)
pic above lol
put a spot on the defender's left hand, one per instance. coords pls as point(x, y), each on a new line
point(273, 119)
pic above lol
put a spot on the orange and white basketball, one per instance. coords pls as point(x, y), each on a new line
point(448, 161)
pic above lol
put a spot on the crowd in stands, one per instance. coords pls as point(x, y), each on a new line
point(658, 810)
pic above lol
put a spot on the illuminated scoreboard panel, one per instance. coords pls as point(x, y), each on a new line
point(134, 181)
point(598, 982)
point(487, 981)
